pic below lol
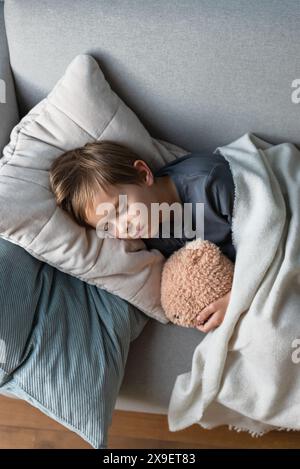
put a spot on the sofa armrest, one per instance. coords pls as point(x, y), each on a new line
point(9, 115)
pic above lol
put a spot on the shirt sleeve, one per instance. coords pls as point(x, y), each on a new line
point(220, 187)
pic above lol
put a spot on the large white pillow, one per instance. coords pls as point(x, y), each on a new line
point(81, 108)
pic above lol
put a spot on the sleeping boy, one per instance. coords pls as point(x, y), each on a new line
point(97, 174)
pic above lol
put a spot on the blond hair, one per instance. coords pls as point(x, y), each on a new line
point(77, 175)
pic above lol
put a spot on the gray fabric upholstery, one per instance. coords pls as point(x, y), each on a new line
point(156, 357)
point(9, 115)
point(198, 73)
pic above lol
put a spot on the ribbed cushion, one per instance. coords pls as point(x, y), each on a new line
point(66, 342)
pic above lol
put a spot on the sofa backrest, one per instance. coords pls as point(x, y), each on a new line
point(198, 73)
point(9, 115)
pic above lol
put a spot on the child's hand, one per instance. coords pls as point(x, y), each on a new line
point(212, 315)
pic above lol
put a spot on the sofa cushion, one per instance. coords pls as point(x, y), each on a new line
point(66, 342)
point(81, 108)
point(9, 115)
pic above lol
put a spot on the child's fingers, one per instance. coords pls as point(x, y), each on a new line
point(214, 321)
point(206, 312)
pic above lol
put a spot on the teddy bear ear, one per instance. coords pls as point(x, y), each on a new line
point(195, 244)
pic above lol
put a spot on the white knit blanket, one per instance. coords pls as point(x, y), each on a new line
point(246, 373)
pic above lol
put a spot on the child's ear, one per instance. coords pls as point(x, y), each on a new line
point(143, 168)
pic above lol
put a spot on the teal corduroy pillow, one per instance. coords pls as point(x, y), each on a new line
point(63, 342)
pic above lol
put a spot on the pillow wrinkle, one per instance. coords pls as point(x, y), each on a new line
point(43, 227)
point(71, 119)
point(112, 118)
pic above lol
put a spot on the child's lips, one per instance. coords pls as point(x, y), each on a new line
point(138, 233)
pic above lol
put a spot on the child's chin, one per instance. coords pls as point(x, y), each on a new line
point(133, 236)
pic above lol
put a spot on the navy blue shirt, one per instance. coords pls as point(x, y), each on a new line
point(207, 178)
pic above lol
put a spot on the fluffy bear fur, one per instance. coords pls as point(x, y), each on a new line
point(192, 278)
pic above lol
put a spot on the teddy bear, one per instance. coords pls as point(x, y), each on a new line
point(193, 277)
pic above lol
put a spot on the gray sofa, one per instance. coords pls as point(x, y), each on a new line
point(198, 73)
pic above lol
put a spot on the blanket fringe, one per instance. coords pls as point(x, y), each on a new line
point(252, 433)
point(257, 434)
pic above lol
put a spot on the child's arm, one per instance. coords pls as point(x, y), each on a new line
point(212, 315)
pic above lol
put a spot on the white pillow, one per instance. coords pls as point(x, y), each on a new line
point(81, 108)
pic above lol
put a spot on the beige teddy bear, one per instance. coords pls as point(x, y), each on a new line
point(193, 277)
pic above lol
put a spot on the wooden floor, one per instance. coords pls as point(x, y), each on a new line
point(23, 426)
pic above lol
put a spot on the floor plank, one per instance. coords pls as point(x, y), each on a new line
point(146, 427)
point(24, 426)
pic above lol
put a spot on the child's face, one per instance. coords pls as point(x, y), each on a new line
point(119, 220)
